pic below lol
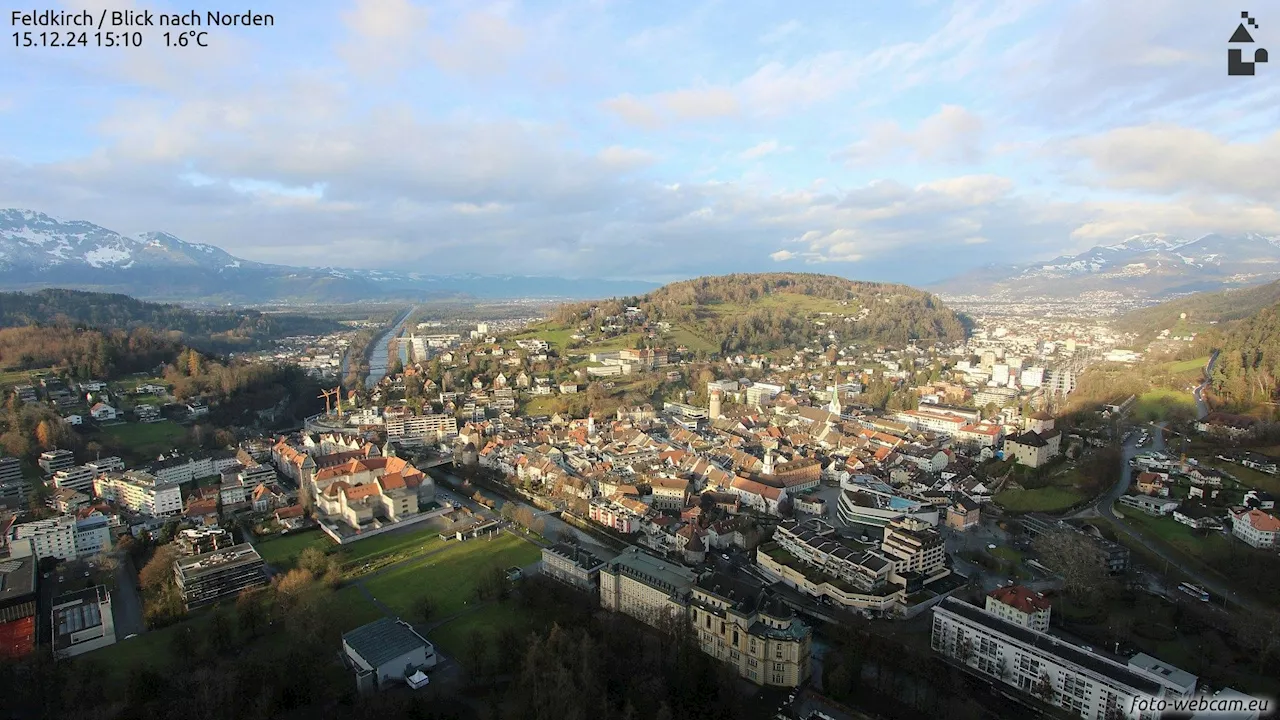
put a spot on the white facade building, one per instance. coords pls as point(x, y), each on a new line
point(140, 492)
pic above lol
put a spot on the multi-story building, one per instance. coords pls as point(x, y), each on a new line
point(79, 477)
point(208, 578)
point(140, 492)
point(573, 565)
point(65, 500)
point(914, 546)
point(369, 493)
point(51, 461)
point(739, 623)
point(14, 488)
point(1256, 528)
point(421, 427)
point(82, 621)
point(1043, 666)
point(865, 500)
point(54, 537)
point(614, 515)
point(1021, 606)
point(669, 493)
point(810, 557)
point(93, 534)
point(200, 541)
point(647, 588)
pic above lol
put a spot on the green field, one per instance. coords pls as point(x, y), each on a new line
point(1194, 366)
point(20, 377)
point(1198, 545)
point(555, 335)
point(281, 551)
point(1250, 477)
point(449, 577)
point(621, 342)
point(1164, 404)
point(144, 440)
point(393, 547)
point(696, 342)
point(453, 636)
point(1045, 499)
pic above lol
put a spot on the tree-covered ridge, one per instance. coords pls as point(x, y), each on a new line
point(1248, 368)
point(84, 353)
point(212, 330)
point(771, 311)
point(1200, 309)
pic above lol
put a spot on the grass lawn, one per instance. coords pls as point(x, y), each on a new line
point(452, 637)
point(1189, 367)
point(1046, 499)
point(695, 341)
point(145, 439)
point(1248, 476)
point(541, 405)
point(20, 377)
point(449, 577)
point(393, 547)
point(621, 342)
point(555, 335)
point(1164, 404)
point(1007, 554)
point(281, 551)
point(1177, 535)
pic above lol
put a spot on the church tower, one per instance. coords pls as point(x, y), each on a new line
point(834, 408)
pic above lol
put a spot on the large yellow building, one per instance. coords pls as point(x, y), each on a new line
point(739, 623)
point(736, 620)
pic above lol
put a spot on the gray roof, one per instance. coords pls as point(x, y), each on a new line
point(383, 640)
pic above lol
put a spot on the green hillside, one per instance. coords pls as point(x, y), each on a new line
point(758, 313)
point(1202, 311)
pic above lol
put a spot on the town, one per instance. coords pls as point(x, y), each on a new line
point(947, 492)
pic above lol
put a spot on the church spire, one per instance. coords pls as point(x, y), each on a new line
point(834, 407)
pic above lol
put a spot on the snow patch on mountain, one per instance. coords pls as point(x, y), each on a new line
point(100, 256)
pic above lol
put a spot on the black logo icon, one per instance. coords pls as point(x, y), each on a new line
point(1235, 56)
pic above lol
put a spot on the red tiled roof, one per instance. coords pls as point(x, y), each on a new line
point(1021, 598)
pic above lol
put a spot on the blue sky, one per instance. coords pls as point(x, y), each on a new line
point(878, 140)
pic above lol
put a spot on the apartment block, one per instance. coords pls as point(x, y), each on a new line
point(55, 537)
point(140, 492)
point(52, 461)
point(1040, 665)
point(208, 578)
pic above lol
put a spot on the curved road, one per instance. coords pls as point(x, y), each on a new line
point(1202, 408)
point(1105, 507)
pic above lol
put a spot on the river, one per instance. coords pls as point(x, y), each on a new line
point(378, 358)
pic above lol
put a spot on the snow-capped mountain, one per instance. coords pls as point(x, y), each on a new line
point(1147, 266)
point(38, 251)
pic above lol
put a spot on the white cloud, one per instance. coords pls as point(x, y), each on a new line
point(1169, 159)
point(782, 255)
point(624, 158)
point(780, 33)
point(755, 152)
point(384, 35)
point(483, 43)
point(953, 135)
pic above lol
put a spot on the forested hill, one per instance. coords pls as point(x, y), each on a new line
point(1247, 374)
point(1201, 310)
point(211, 330)
point(771, 311)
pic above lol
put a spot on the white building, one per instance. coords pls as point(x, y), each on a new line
point(93, 534)
point(1041, 665)
point(1020, 605)
point(1256, 528)
point(140, 492)
point(55, 537)
point(82, 621)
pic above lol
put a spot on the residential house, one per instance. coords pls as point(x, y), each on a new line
point(103, 412)
point(1021, 606)
point(1257, 528)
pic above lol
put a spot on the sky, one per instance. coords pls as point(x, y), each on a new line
point(903, 140)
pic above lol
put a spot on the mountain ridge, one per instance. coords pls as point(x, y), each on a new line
point(1153, 266)
point(40, 251)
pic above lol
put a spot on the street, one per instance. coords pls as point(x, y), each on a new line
point(1105, 507)
point(126, 604)
point(1202, 408)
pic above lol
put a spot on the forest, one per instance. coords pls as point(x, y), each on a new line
point(84, 353)
point(210, 330)
point(1245, 376)
point(757, 313)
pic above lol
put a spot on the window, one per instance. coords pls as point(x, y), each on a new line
point(735, 638)
point(751, 662)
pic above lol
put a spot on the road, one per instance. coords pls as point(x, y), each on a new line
point(126, 605)
point(1106, 508)
point(1202, 408)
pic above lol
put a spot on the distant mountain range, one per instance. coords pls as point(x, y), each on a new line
point(38, 251)
point(1150, 266)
